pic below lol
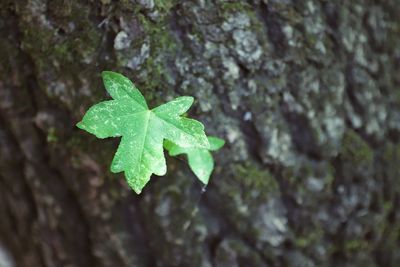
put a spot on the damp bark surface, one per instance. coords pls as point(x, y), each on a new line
point(305, 93)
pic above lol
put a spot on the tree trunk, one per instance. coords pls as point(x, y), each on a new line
point(306, 94)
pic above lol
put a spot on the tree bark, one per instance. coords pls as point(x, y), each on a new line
point(306, 94)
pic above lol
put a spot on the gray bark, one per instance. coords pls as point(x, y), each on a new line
point(306, 94)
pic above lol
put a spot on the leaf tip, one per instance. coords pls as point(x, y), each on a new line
point(215, 143)
point(188, 100)
point(203, 177)
point(135, 187)
point(80, 125)
point(137, 191)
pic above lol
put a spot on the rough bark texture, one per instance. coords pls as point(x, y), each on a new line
point(306, 93)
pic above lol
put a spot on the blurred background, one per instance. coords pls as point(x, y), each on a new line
point(305, 93)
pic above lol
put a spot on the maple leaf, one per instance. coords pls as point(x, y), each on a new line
point(200, 159)
point(140, 152)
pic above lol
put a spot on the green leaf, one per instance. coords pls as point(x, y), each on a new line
point(140, 152)
point(215, 143)
point(200, 160)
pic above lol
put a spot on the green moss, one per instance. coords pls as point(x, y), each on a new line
point(128, 5)
point(52, 52)
point(391, 235)
point(154, 74)
point(249, 185)
point(158, 33)
point(63, 51)
point(253, 177)
point(390, 159)
point(165, 5)
point(330, 176)
point(355, 150)
point(35, 39)
point(240, 7)
point(392, 153)
point(354, 245)
point(230, 7)
point(308, 239)
point(52, 136)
